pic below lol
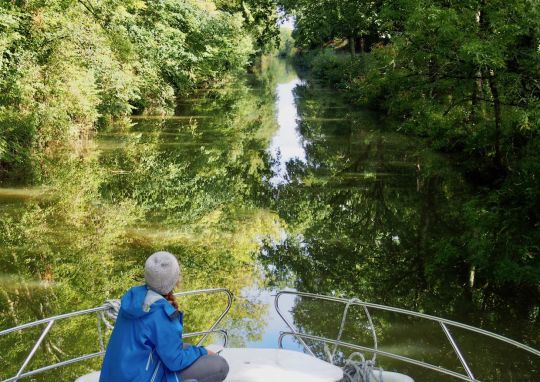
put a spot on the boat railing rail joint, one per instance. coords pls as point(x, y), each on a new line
point(368, 308)
point(99, 311)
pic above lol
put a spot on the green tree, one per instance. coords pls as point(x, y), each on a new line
point(71, 66)
point(317, 23)
point(261, 20)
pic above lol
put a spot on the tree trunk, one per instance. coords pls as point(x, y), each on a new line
point(352, 46)
point(478, 87)
point(476, 93)
point(362, 44)
point(472, 276)
point(474, 103)
point(498, 117)
point(362, 41)
point(474, 96)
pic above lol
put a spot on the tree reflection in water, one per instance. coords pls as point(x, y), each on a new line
point(190, 184)
point(372, 214)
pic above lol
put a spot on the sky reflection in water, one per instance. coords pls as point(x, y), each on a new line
point(287, 144)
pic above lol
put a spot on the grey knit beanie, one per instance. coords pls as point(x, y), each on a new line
point(161, 272)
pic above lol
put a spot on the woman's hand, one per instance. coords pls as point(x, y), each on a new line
point(214, 349)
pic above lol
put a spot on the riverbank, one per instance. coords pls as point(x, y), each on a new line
point(459, 77)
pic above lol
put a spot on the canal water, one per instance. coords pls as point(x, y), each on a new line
point(271, 183)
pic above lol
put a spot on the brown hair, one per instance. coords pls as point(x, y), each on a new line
point(172, 299)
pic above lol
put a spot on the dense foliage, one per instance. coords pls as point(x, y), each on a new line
point(67, 65)
point(466, 76)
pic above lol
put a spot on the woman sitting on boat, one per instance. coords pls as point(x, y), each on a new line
point(146, 343)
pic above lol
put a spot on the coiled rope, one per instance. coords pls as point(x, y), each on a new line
point(342, 327)
point(113, 307)
point(358, 369)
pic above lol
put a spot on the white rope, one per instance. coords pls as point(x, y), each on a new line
point(361, 371)
point(356, 368)
point(113, 307)
point(342, 327)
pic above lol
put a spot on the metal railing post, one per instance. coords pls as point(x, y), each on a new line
point(34, 349)
point(444, 323)
point(220, 331)
point(276, 305)
point(419, 315)
point(100, 333)
point(223, 314)
point(51, 320)
point(412, 361)
point(456, 350)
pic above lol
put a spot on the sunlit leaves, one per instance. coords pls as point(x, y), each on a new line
point(69, 65)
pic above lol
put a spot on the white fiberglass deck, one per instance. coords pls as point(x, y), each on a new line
point(266, 365)
point(269, 365)
point(272, 365)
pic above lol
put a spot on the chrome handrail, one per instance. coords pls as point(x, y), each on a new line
point(372, 350)
point(208, 332)
point(441, 321)
point(348, 303)
point(56, 365)
point(223, 314)
point(101, 353)
point(51, 320)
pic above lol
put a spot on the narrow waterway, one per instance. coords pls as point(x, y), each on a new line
point(269, 184)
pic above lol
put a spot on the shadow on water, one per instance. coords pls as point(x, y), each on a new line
point(344, 208)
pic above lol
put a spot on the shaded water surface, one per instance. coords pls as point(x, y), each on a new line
point(267, 184)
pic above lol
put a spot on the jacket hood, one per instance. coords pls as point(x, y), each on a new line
point(133, 303)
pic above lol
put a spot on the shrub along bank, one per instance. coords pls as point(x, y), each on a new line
point(68, 66)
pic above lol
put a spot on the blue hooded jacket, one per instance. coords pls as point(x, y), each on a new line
point(146, 343)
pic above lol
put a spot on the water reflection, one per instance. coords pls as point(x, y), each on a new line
point(349, 210)
point(372, 214)
point(287, 143)
point(189, 185)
